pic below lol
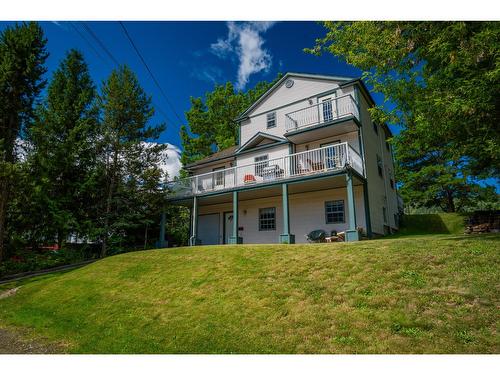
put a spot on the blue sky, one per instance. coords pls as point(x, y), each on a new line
point(188, 58)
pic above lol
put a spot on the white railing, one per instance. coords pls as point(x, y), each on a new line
point(302, 164)
point(321, 113)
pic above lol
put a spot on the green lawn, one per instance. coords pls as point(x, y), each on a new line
point(434, 294)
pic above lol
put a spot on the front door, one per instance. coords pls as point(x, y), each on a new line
point(228, 226)
point(327, 108)
point(330, 154)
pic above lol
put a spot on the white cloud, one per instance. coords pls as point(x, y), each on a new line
point(172, 161)
point(246, 42)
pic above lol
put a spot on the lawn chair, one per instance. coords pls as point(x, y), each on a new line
point(317, 235)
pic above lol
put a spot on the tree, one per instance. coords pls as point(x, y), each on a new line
point(444, 79)
point(63, 153)
point(22, 55)
point(211, 121)
point(129, 158)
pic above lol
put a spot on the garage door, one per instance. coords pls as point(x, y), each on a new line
point(208, 229)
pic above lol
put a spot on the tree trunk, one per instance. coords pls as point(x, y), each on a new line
point(109, 199)
point(450, 203)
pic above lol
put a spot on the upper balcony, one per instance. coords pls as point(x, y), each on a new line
point(325, 160)
point(312, 122)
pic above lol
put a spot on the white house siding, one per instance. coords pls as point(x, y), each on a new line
point(378, 188)
point(302, 90)
point(351, 138)
point(307, 213)
point(274, 152)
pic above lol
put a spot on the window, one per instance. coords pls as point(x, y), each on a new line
point(260, 163)
point(271, 120)
point(218, 177)
point(384, 213)
point(379, 166)
point(334, 212)
point(375, 128)
point(267, 218)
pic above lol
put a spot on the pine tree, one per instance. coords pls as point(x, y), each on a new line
point(63, 151)
point(129, 156)
point(22, 55)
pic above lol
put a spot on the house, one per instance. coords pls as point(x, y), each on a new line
point(309, 157)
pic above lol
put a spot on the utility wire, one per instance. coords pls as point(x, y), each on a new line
point(149, 71)
point(110, 55)
point(88, 42)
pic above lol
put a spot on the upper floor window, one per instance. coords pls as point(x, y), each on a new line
point(375, 128)
point(260, 163)
point(334, 212)
point(271, 120)
point(267, 218)
point(379, 166)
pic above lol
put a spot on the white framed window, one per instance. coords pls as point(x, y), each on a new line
point(267, 219)
point(271, 120)
point(334, 212)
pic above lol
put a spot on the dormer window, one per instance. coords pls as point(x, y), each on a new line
point(271, 120)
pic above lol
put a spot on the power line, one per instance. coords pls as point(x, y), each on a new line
point(88, 42)
point(89, 30)
point(149, 71)
point(110, 55)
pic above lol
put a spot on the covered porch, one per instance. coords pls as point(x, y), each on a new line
point(283, 212)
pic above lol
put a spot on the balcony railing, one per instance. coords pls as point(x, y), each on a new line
point(324, 112)
point(322, 160)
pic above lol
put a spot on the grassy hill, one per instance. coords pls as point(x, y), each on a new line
point(438, 294)
point(442, 223)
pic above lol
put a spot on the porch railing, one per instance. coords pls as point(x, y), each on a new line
point(302, 164)
point(324, 112)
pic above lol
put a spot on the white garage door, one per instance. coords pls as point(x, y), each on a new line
point(208, 229)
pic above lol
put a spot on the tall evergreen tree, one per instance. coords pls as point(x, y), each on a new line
point(129, 156)
point(444, 78)
point(22, 57)
point(63, 151)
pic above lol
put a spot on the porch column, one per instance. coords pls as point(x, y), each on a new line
point(286, 237)
point(367, 211)
point(162, 242)
point(351, 234)
point(194, 223)
point(235, 239)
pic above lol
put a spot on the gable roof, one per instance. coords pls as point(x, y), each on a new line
point(257, 138)
point(216, 156)
point(285, 77)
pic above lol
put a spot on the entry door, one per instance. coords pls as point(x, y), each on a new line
point(228, 226)
point(327, 108)
point(330, 154)
point(208, 229)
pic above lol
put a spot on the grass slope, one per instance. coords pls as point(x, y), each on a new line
point(423, 224)
point(406, 295)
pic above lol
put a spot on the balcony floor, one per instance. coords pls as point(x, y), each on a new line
point(302, 184)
